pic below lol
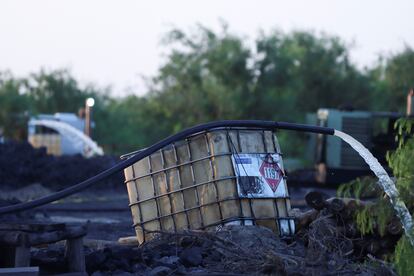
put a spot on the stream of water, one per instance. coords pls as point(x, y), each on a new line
point(384, 181)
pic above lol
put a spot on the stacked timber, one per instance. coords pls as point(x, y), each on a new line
point(335, 219)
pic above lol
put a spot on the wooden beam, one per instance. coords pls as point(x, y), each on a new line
point(33, 227)
point(20, 271)
point(22, 256)
point(51, 237)
point(75, 255)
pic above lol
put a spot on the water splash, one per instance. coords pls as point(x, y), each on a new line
point(384, 181)
point(79, 139)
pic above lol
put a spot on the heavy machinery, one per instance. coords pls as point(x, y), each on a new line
point(335, 162)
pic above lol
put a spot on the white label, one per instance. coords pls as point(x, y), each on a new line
point(259, 175)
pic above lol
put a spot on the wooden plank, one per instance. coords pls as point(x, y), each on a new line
point(51, 237)
point(20, 271)
point(75, 255)
point(32, 227)
point(14, 238)
point(132, 240)
point(22, 256)
point(98, 244)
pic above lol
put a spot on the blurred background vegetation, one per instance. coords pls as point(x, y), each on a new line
point(215, 76)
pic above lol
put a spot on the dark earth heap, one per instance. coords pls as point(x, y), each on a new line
point(22, 165)
point(234, 250)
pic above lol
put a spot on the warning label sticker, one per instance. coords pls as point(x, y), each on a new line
point(259, 175)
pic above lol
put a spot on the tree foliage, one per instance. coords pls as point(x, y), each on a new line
point(392, 78)
point(215, 76)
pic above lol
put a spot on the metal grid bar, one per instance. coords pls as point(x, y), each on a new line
point(277, 149)
point(276, 208)
point(274, 202)
point(155, 193)
point(198, 133)
point(185, 188)
point(284, 177)
point(139, 206)
point(248, 199)
point(224, 128)
point(208, 204)
point(180, 183)
point(229, 142)
point(194, 182)
point(264, 141)
point(213, 175)
point(181, 165)
point(176, 166)
point(167, 182)
point(287, 212)
point(228, 221)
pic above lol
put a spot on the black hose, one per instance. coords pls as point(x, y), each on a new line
point(161, 144)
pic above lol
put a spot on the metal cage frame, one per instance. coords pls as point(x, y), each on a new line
point(140, 225)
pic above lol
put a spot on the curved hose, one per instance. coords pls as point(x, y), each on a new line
point(157, 146)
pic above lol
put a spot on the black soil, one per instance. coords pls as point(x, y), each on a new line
point(22, 165)
point(234, 250)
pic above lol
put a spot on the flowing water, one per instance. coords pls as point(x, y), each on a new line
point(78, 139)
point(384, 181)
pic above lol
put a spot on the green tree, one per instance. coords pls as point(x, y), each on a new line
point(14, 106)
point(303, 72)
point(205, 78)
point(210, 76)
point(43, 92)
point(55, 91)
point(392, 77)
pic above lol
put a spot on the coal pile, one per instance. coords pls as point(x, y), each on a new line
point(232, 250)
point(21, 165)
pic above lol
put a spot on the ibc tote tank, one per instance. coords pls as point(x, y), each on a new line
point(210, 179)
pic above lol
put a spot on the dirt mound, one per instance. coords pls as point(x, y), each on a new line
point(234, 250)
point(22, 165)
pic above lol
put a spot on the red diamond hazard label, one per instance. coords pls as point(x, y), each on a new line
point(271, 173)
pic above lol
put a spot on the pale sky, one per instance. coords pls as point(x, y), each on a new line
point(114, 43)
